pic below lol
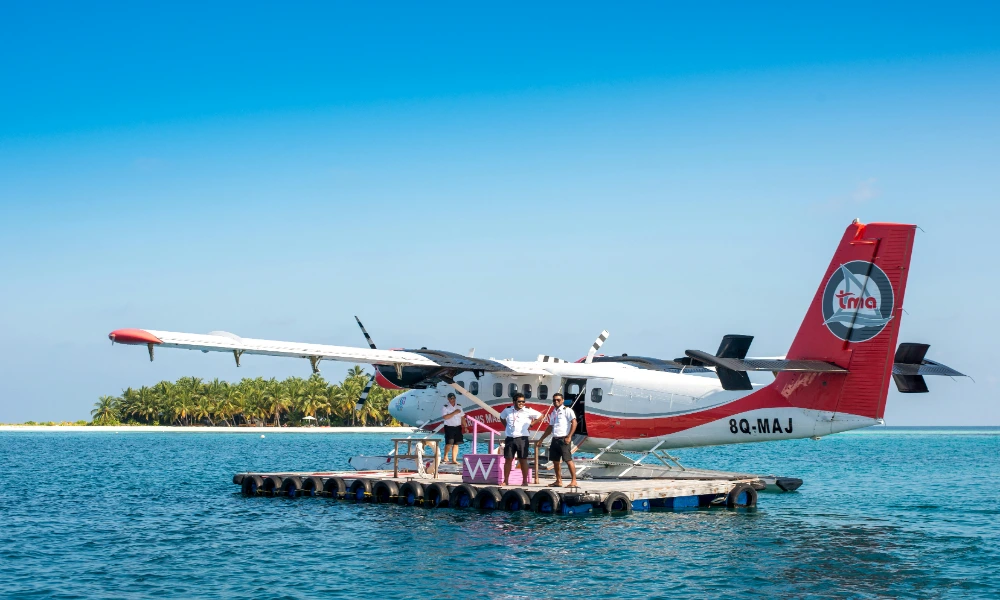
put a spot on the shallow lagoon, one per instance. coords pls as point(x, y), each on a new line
point(884, 512)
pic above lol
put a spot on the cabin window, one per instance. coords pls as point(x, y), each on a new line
point(573, 389)
point(526, 390)
point(543, 392)
point(498, 389)
point(474, 388)
point(512, 389)
point(596, 395)
point(460, 384)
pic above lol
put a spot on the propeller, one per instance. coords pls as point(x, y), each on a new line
point(597, 346)
point(371, 378)
point(365, 331)
point(364, 393)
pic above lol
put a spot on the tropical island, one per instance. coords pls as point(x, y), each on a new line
point(191, 401)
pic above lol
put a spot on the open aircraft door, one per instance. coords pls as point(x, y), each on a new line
point(586, 392)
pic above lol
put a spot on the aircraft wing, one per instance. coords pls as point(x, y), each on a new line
point(221, 341)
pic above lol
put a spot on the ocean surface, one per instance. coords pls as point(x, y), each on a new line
point(883, 513)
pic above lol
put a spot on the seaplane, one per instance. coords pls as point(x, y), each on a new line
point(835, 376)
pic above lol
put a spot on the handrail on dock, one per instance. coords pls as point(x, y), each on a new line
point(475, 433)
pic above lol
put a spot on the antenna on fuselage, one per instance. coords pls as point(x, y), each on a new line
point(597, 346)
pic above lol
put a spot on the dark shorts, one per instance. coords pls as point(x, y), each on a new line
point(515, 447)
point(560, 450)
point(453, 434)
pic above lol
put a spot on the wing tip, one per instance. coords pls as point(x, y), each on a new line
point(133, 336)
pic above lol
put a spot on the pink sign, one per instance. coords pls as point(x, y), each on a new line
point(488, 468)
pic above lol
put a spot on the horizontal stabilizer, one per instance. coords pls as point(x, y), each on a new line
point(731, 379)
point(654, 364)
point(910, 366)
point(764, 364)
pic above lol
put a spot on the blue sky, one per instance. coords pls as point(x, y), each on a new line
point(514, 178)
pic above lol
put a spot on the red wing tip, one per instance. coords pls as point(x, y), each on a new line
point(133, 336)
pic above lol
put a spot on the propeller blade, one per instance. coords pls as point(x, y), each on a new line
point(364, 393)
point(365, 331)
point(597, 346)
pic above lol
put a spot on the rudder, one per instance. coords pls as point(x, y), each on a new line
point(854, 321)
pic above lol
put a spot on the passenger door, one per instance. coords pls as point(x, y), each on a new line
point(600, 397)
point(575, 390)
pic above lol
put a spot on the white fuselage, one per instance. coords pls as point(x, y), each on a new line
point(641, 409)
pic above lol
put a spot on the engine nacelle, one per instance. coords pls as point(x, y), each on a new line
point(387, 376)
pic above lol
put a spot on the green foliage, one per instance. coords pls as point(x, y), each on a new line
point(191, 401)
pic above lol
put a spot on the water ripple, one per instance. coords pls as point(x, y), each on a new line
point(99, 515)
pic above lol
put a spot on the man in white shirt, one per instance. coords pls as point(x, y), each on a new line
point(454, 419)
point(519, 420)
point(562, 426)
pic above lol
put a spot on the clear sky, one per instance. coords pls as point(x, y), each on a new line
point(510, 177)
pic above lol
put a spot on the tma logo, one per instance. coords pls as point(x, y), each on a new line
point(858, 302)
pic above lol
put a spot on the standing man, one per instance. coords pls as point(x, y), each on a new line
point(454, 419)
point(562, 426)
point(519, 420)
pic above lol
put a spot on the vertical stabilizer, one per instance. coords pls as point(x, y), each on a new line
point(854, 321)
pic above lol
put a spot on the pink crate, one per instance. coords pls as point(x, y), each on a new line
point(488, 468)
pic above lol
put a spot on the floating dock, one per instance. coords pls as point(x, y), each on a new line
point(691, 488)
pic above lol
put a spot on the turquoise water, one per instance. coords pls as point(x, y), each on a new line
point(884, 513)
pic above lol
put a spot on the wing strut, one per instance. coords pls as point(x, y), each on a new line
point(475, 400)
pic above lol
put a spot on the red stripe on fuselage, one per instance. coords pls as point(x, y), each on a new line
point(633, 427)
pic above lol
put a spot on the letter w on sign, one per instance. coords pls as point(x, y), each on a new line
point(478, 471)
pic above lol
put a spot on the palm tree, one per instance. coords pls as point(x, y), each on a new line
point(148, 405)
point(316, 398)
point(183, 406)
point(129, 405)
point(225, 406)
point(105, 412)
point(250, 400)
point(278, 400)
point(203, 409)
point(353, 385)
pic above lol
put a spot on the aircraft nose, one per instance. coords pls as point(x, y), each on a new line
point(403, 408)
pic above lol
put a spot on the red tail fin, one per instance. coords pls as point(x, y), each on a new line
point(854, 320)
